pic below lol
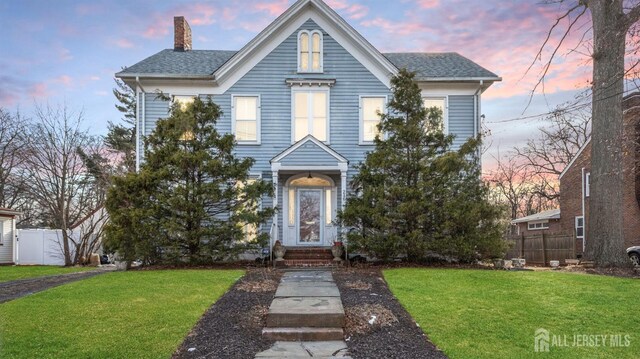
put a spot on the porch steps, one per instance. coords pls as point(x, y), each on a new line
point(308, 257)
point(306, 307)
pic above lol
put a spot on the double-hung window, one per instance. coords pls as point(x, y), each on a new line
point(441, 104)
point(310, 51)
point(310, 113)
point(370, 109)
point(580, 227)
point(183, 100)
point(246, 119)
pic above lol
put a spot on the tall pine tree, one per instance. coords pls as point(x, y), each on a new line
point(414, 194)
point(192, 195)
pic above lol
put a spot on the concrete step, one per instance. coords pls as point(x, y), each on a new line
point(317, 312)
point(307, 263)
point(302, 349)
point(303, 334)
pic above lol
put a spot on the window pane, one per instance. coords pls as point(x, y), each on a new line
point(327, 206)
point(369, 130)
point(370, 108)
point(304, 42)
point(319, 104)
point(304, 61)
point(246, 108)
point(320, 128)
point(310, 182)
point(434, 102)
point(292, 207)
point(246, 131)
point(301, 104)
point(316, 61)
point(316, 42)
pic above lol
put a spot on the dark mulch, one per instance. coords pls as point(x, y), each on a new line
point(393, 334)
point(20, 288)
point(232, 327)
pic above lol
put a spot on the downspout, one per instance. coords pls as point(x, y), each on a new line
point(137, 125)
point(142, 108)
point(476, 117)
point(584, 219)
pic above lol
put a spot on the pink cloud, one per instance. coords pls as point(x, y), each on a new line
point(353, 11)
point(123, 43)
point(39, 90)
point(65, 80)
point(428, 4)
point(273, 8)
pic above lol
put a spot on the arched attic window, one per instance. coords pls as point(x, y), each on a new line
point(310, 51)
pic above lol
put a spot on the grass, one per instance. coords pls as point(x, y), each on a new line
point(8, 273)
point(135, 314)
point(494, 314)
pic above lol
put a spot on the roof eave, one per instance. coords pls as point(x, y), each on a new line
point(458, 79)
point(123, 76)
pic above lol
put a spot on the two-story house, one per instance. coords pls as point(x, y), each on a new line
point(302, 99)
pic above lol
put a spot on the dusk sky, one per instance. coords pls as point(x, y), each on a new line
point(68, 51)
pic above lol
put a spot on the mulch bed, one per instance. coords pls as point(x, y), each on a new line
point(377, 326)
point(20, 288)
point(232, 327)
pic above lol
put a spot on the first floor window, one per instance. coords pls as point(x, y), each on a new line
point(580, 227)
point(246, 117)
point(537, 225)
point(370, 110)
point(310, 111)
point(249, 230)
point(439, 103)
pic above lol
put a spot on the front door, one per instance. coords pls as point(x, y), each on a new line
point(310, 224)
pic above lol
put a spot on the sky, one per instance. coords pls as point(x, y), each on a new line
point(66, 52)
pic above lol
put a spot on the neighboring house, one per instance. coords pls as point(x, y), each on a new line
point(575, 180)
point(8, 235)
point(542, 222)
point(301, 99)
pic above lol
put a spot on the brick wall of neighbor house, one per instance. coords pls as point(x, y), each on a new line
point(554, 227)
point(571, 183)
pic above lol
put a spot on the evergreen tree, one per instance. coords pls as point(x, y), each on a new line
point(192, 199)
point(414, 194)
point(121, 138)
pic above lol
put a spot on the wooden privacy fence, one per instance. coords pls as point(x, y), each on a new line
point(542, 248)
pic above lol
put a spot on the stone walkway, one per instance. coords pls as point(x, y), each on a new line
point(19, 288)
point(306, 318)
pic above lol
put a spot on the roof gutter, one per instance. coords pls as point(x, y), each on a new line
point(459, 79)
point(137, 76)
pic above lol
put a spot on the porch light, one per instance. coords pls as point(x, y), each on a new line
point(309, 176)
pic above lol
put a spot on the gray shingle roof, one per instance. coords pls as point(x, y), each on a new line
point(188, 63)
point(438, 65)
point(427, 66)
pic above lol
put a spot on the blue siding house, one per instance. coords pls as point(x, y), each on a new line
point(301, 98)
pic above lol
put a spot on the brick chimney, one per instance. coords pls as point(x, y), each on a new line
point(182, 34)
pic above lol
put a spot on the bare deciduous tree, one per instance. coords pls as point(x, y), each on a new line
point(59, 181)
point(13, 141)
point(611, 22)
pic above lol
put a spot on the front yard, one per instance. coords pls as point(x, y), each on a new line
point(9, 273)
point(494, 314)
point(136, 314)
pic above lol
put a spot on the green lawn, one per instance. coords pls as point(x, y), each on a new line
point(494, 314)
point(8, 273)
point(135, 314)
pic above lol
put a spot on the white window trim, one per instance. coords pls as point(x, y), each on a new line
point(545, 225)
point(445, 111)
point(361, 140)
point(310, 34)
point(575, 226)
point(293, 111)
point(587, 184)
point(2, 222)
point(258, 140)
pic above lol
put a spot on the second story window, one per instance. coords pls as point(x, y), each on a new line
point(246, 119)
point(310, 113)
point(370, 109)
point(310, 51)
point(183, 100)
point(441, 104)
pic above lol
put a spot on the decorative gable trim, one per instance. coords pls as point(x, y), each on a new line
point(310, 82)
point(309, 138)
point(286, 24)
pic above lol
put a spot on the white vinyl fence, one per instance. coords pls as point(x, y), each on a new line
point(39, 246)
